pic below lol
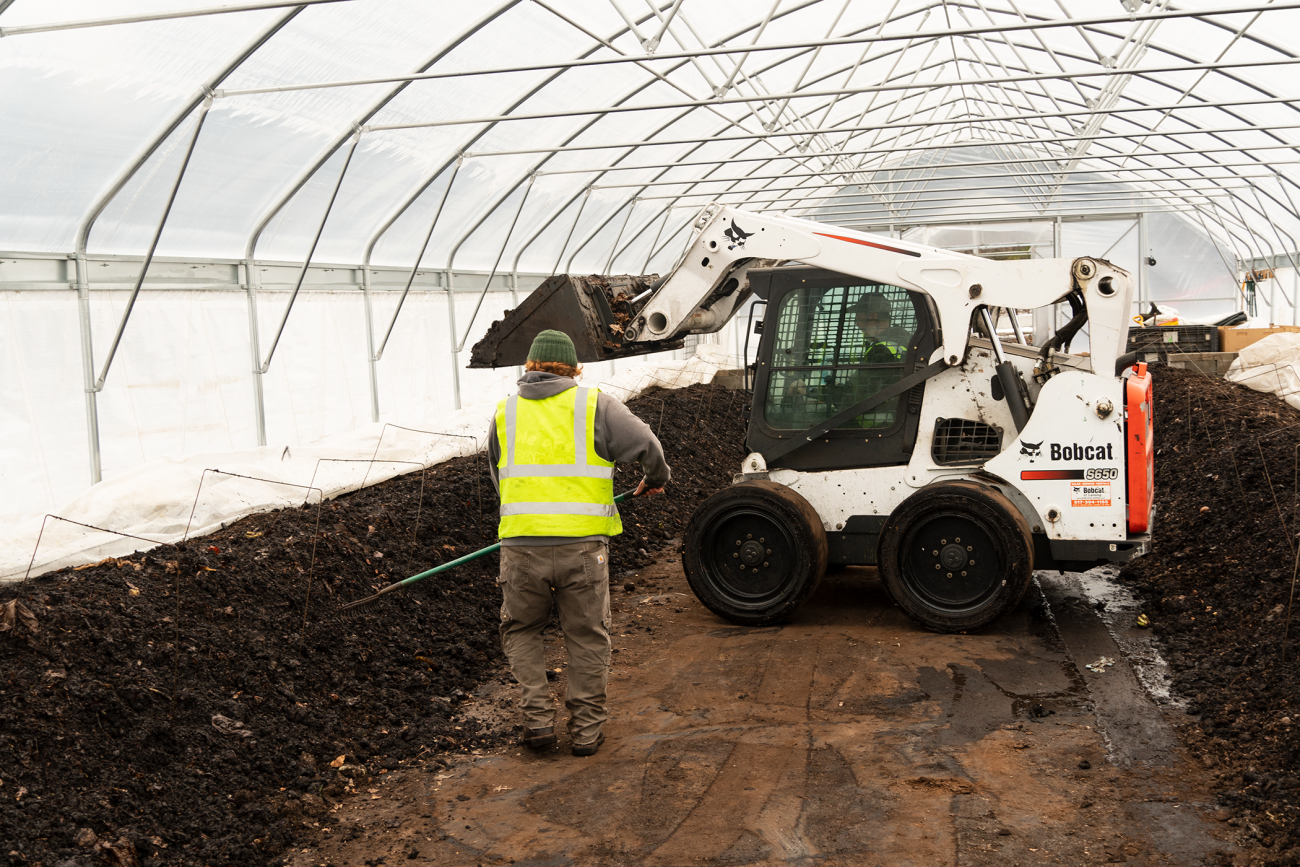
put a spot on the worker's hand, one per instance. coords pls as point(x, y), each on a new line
point(642, 490)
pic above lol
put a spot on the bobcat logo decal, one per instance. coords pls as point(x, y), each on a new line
point(1032, 449)
point(736, 235)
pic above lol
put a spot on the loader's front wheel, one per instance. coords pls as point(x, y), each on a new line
point(754, 552)
point(956, 556)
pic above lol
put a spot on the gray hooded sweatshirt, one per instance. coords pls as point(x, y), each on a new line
point(620, 436)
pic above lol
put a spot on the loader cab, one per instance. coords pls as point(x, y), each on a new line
point(831, 340)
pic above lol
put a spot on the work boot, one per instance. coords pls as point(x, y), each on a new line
point(540, 738)
point(589, 749)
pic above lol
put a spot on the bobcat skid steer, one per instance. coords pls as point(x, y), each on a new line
point(890, 424)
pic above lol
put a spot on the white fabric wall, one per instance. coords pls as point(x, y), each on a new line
point(181, 383)
point(166, 500)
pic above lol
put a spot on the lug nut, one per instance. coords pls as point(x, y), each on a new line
point(734, 555)
point(764, 564)
point(749, 535)
point(949, 574)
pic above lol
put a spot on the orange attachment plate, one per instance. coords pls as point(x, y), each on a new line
point(1139, 449)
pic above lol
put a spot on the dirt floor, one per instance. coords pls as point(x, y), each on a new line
point(846, 736)
point(199, 705)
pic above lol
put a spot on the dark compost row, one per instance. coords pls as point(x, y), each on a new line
point(170, 707)
point(1218, 586)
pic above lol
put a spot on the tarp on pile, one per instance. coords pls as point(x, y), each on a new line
point(1270, 365)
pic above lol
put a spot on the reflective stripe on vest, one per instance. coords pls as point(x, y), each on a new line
point(553, 483)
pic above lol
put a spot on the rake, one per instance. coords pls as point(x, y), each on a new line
point(352, 607)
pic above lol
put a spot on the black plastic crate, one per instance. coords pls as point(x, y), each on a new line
point(1166, 340)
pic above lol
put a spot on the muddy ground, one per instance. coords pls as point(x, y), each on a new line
point(844, 736)
point(172, 709)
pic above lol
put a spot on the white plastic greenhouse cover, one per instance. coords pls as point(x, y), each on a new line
point(461, 147)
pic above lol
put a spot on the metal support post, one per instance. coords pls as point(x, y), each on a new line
point(153, 245)
point(410, 278)
point(253, 280)
point(613, 251)
point(451, 330)
point(1144, 291)
point(372, 360)
point(1292, 300)
point(306, 263)
point(645, 269)
point(88, 367)
point(569, 237)
point(497, 264)
point(514, 299)
point(93, 386)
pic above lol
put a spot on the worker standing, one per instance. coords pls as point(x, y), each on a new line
point(553, 447)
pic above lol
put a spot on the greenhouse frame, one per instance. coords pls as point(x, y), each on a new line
point(263, 224)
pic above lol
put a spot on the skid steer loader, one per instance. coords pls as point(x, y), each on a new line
point(891, 426)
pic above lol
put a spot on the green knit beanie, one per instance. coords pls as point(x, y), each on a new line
point(553, 346)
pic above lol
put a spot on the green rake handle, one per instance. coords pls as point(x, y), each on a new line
point(459, 561)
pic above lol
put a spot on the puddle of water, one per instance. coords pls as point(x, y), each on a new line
point(1140, 647)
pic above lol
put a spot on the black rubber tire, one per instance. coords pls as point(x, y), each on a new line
point(779, 548)
point(956, 556)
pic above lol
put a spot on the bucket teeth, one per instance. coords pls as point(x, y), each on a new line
point(592, 310)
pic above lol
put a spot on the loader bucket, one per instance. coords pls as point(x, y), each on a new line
point(591, 310)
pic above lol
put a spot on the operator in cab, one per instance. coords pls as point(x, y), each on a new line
point(552, 450)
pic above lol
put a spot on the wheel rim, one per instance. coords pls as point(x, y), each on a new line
point(953, 562)
point(748, 557)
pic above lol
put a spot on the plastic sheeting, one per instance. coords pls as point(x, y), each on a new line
point(181, 381)
point(162, 501)
point(1271, 365)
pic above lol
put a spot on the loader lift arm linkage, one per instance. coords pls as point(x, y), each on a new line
point(890, 424)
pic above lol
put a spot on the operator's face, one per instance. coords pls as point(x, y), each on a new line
point(871, 324)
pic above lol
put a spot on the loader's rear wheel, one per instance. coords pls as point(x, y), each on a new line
point(754, 552)
point(956, 556)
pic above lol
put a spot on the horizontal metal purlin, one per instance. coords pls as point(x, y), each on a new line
point(1278, 262)
point(1063, 138)
point(157, 16)
point(902, 198)
point(925, 36)
point(952, 122)
point(58, 274)
point(1026, 166)
point(874, 226)
point(765, 99)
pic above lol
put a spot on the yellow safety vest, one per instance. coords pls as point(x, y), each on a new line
point(552, 481)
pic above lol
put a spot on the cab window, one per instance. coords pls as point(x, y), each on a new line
point(836, 346)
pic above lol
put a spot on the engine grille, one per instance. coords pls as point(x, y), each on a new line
point(962, 441)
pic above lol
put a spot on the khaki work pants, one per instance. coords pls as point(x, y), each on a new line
point(575, 579)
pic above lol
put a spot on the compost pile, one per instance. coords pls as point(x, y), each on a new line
point(1218, 587)
point(199, 704)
